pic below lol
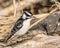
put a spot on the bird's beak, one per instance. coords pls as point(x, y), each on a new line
point(33, 17)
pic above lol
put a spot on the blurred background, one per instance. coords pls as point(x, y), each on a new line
point(39, 7)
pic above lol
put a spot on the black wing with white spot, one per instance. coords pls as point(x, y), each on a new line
point(17, 26)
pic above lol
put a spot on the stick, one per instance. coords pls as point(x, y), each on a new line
point(14, 5)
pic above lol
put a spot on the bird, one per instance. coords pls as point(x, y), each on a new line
point(22, 25)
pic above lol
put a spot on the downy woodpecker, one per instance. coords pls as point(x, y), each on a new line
point(22, 25)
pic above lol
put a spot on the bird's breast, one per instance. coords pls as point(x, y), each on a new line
point(25, 27)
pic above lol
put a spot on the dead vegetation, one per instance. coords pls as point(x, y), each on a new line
point(36, 36)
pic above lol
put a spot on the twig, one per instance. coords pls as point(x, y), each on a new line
point(40, 15)
point(38, 21)
point(54, 10)
point(57, 3)
point(14, 4)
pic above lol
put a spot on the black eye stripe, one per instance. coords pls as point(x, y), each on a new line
point(28, 14)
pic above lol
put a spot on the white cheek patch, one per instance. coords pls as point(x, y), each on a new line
point(28, 13)
point(24, 16)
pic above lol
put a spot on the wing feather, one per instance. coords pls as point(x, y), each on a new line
point(17, 26)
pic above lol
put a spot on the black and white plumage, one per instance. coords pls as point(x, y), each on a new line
point(22, 25)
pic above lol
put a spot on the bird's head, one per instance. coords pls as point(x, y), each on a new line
point(26, 15)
